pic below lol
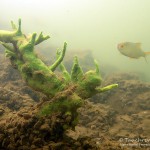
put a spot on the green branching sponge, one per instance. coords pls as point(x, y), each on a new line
point(66, 94)
point(76, 72)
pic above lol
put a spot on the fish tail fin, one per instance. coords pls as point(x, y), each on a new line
point(146, 60)
point(147, 53)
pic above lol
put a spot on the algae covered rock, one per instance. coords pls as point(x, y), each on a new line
point(50, 118)
point(42, 78)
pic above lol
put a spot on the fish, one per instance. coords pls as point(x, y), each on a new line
point(132, 50)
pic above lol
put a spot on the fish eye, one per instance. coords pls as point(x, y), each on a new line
point(121, 46)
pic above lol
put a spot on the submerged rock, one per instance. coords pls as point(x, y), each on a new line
point(123, 112)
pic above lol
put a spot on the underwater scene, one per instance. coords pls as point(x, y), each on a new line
point(75, 75)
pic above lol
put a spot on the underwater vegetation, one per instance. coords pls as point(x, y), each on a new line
point(65, 94)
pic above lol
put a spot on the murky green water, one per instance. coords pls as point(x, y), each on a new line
point(98, 25)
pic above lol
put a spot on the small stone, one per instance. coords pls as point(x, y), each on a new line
point(26, 116)
point(93, 127)
point(45, 127)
